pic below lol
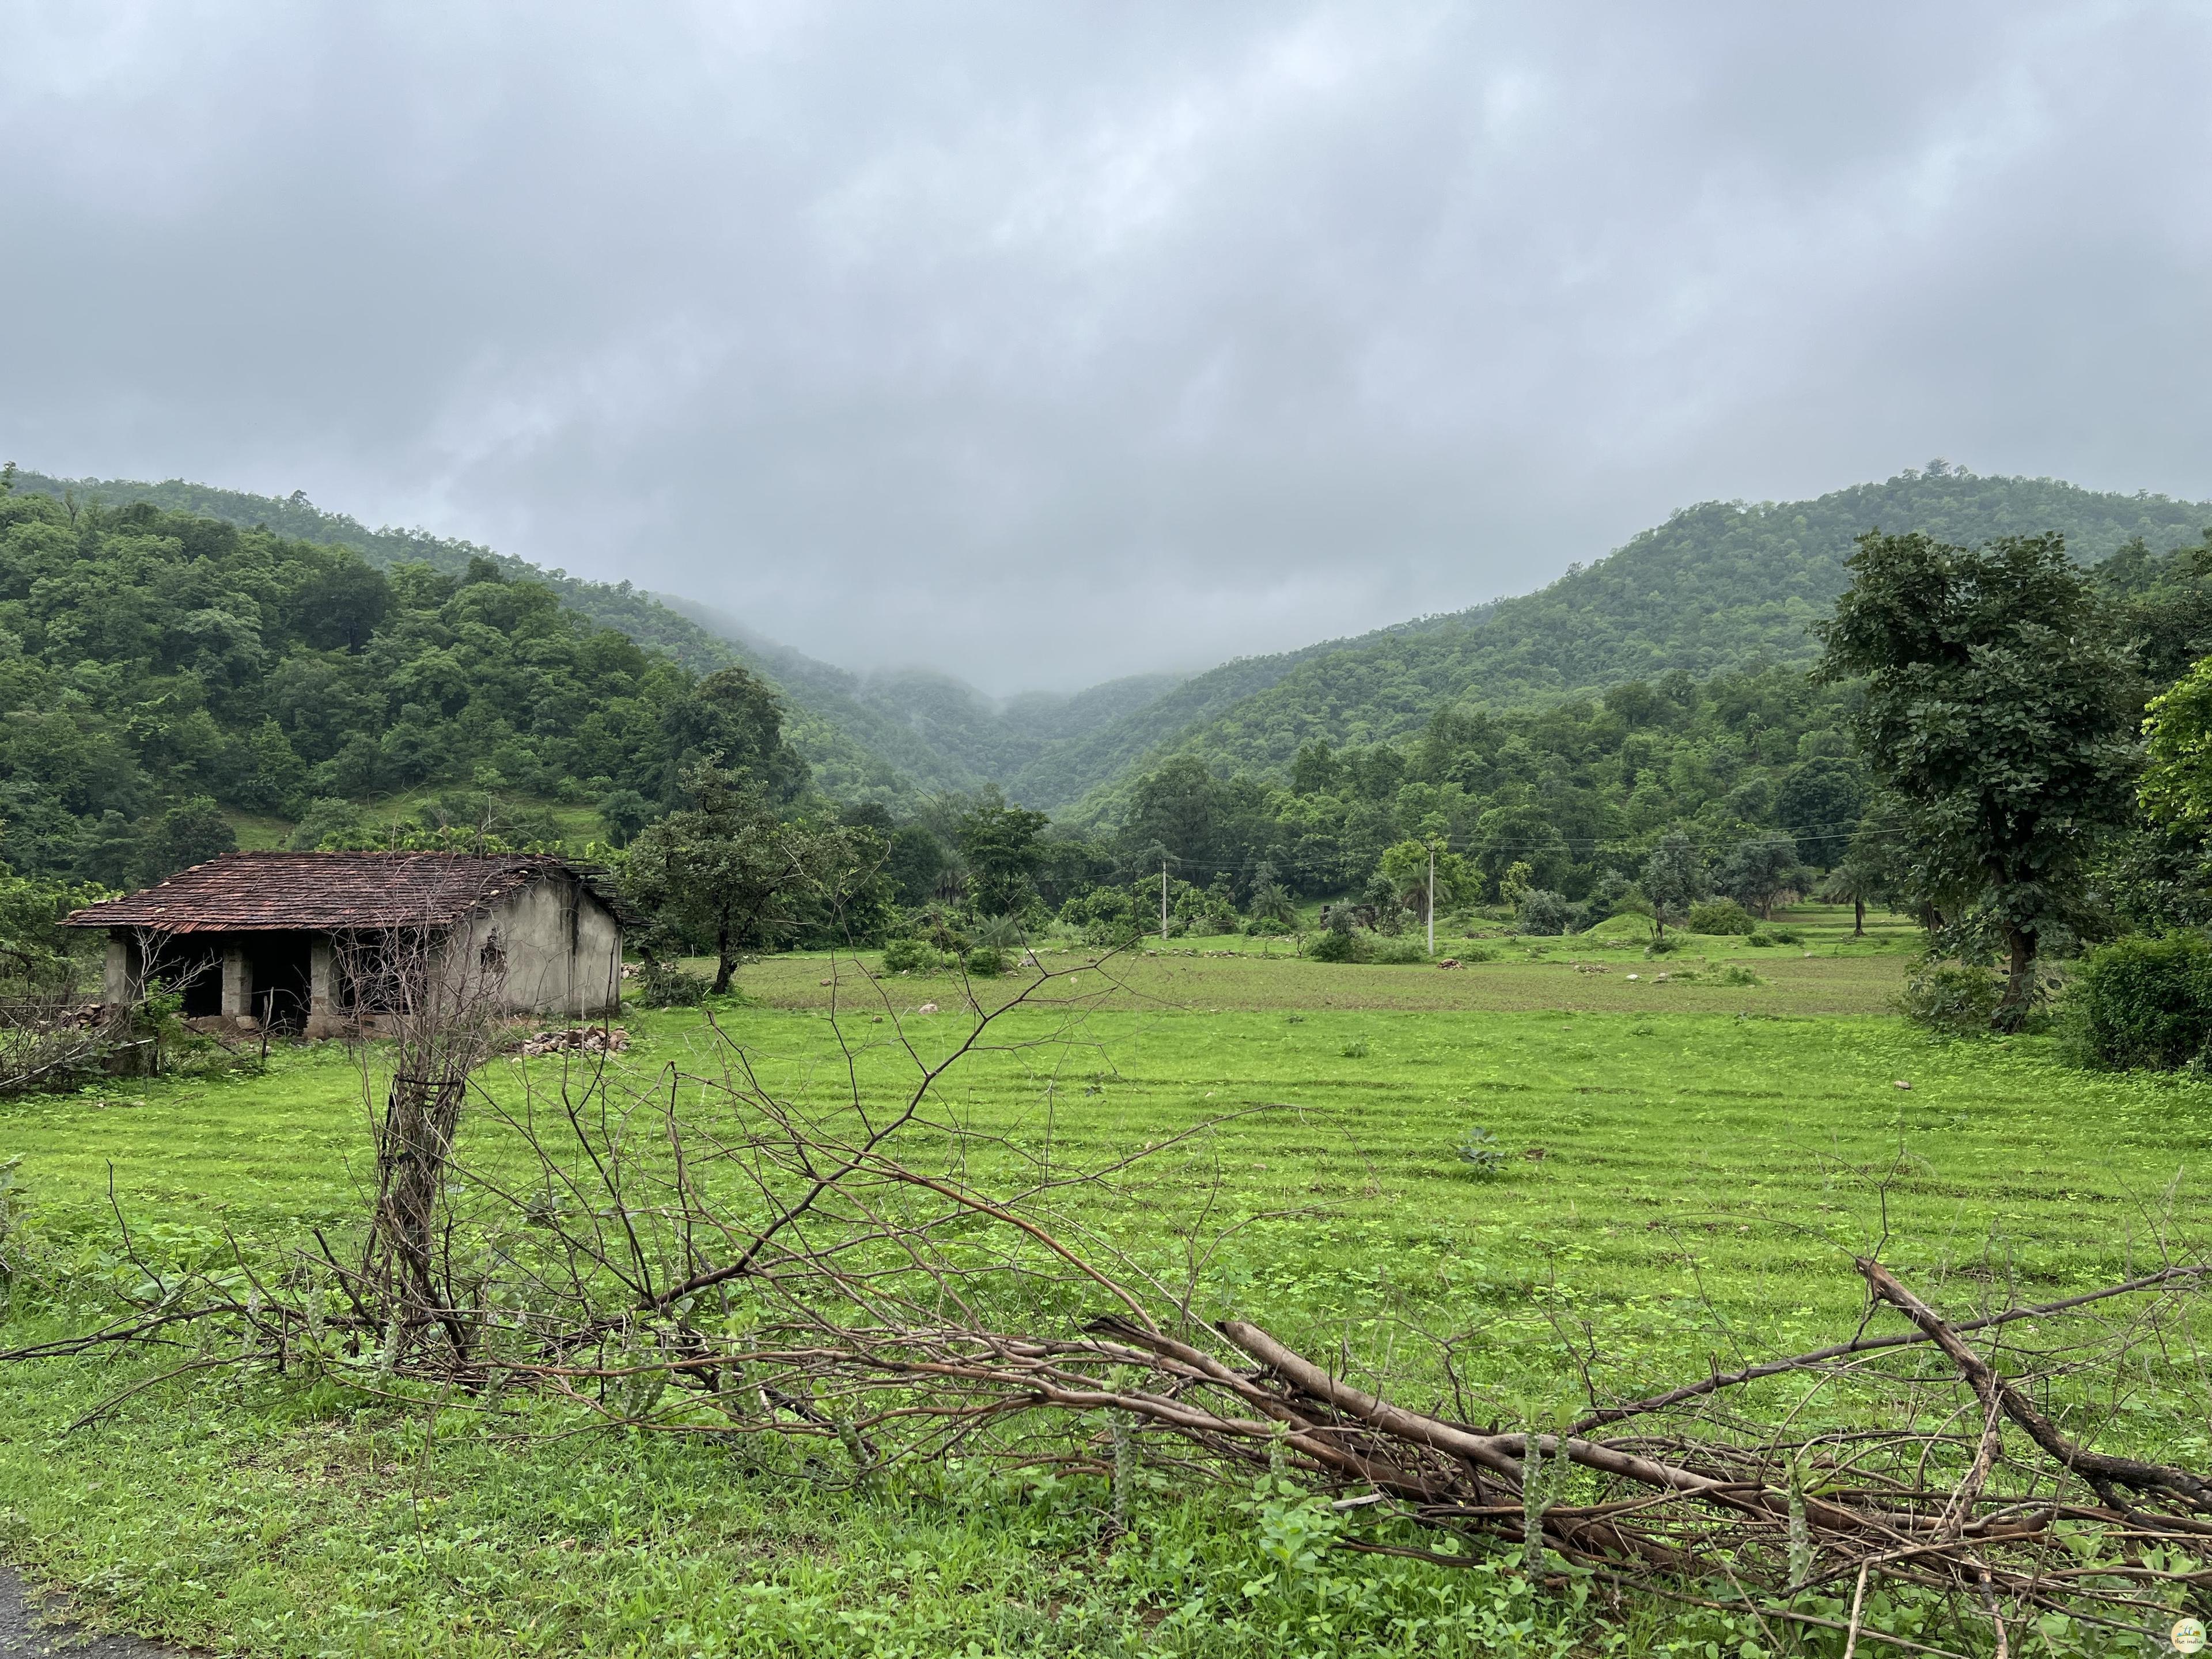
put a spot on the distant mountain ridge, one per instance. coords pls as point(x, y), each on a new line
point(1718, 585)
point(943, 731)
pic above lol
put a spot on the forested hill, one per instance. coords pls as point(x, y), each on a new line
point(1043, 750)
point(1109, 755)
point(945, 733)
point(163, 673)
point(940, 730)
point(845, 766)
point(1717, 586)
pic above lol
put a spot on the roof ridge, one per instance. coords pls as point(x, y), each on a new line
point(279, 889)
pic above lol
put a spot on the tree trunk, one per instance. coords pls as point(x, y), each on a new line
point(726, 961)
point(1858, 918)
point(2019, 981)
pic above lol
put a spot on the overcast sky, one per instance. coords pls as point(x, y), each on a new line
point(1049, 342)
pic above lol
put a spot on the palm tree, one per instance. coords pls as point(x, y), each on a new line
point(1856, 883)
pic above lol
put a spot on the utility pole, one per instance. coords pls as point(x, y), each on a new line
point(1163, 904)
point(1432, 898)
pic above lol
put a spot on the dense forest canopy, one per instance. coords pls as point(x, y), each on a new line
point(1717, 588)
point(154, 665)
point(835, 743)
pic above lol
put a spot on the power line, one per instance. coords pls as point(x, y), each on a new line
point(1570, 845)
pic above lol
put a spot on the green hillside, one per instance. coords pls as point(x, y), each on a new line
point(946, 734)
point(1107, 754)
point(845, 767)
point(164, 673)
point(1718, 586)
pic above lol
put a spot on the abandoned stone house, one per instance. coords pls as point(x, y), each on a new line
point(306, 942)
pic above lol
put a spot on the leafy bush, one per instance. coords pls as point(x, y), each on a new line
point(670, 985)
point(1340, 944)
point(985, 962)
point(1356, 1050)
point(1398, 952)
point(1542, 911)
point(1785, 936)
point(1664, 946)
point(1006, 932)
point(1721, 916)
point(1960, 1001)
point(1476, 953)
point(1735, 973)
point(1760, 941)
point(1482, 1154)
point(910, 956)
point(2142, 1002)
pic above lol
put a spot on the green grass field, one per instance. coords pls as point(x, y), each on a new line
point(1692, 1163)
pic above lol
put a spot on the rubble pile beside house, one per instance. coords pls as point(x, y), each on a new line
point(578, 1039)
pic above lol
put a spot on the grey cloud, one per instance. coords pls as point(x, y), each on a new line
point(1043, 343)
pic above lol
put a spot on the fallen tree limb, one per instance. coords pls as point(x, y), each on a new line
point(2103, 1472)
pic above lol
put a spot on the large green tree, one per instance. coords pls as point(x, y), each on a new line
point(1675, 876)
point(1000, 844)
point(1999, 708)
point(726, 875)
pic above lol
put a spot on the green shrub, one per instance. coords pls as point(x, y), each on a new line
point(1398, 952)
point(1476, 953)
point(1545, 913)
point(1340, 944)
point(985, 962)
point(1735, 973)
point(1760, 941)
point(1482, 1154)
point(910, 956)
point(1665, 946)
point(1787, 936)
point(2142, 1002)
point(669, 985)
point(1721, 916)
point(1960, 1000)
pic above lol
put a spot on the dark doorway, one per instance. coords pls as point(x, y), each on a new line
point(281, 972)
point(189, 968)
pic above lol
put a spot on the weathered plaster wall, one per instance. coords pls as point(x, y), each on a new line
point(561, 949)
point(122, 972)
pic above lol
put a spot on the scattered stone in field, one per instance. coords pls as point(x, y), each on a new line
point(1636, 976)
point(926, 1008)
point(578, 1039)
point(1592, 968)
point(1657, 978)
point(826, 981)
point(1448, 962)
point(1901, 1083)
point(1536, 1154)
point(875, 1019)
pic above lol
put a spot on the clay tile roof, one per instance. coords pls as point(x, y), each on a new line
point(320, 890)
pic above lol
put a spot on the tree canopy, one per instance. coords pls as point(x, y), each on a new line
point(157, 668)
point(2000, 708)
